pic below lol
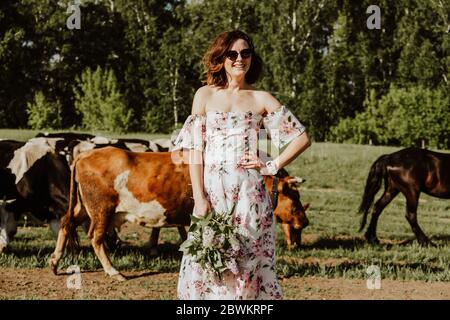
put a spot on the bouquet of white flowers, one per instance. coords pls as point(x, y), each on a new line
point(214, 243)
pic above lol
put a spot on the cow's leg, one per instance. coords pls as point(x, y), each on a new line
point(4, 240)
point(385, 199)
point(297, 237)
point(99, 226)
point(99, 248)
point(412, 202)
point(78, 218)
point(8, 227)
point(287, 234)
point(100, 207)
point(61, 242)
point(112, 240)
point(182, 232)
point(153, 243)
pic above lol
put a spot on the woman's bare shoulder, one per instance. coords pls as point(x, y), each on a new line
point(200, 98)
point(204, 90)
point(267, 100)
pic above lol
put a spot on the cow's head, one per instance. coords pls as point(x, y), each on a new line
point(8, 227)
point(290, 212)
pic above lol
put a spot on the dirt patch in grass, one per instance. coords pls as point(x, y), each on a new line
point(42, 284)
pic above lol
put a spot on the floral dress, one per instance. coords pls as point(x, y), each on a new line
point(224, 137)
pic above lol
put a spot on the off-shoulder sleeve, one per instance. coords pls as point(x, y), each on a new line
point(192, 134)
point(282, 126)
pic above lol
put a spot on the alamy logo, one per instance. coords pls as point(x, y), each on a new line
point(374, 281)
point(374, 20)
point(74, 280)
point(74, 20)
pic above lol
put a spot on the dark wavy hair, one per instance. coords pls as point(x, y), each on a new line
point(214, 59)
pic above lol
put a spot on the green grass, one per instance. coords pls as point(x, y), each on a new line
point(335, 177)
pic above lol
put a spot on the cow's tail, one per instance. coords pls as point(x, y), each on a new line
point(68, 221)
point(373, 184)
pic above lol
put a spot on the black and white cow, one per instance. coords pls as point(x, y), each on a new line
point(69, 136)
point(33, 178)
point(77, 147)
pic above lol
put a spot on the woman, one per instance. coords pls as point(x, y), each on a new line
point(222, 134)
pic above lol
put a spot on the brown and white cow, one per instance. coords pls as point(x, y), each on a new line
point(111, 186)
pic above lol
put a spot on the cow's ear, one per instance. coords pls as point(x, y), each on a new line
point(290, 179)
point(294, 180)
point(306, 206)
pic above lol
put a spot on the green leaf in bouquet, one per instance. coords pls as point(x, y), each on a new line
point(193, 227)
point(186, 245)
point(194, 219)
point(219, 262)
point(209, 215)
point(208, 259)
point(232, 208)
point(212, 258)
point(233, 241)
point(203, 222)
point(192, 251)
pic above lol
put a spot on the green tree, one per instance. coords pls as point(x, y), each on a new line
point(43, 114)
point(144, 25)
point(100, 103)
point(18, 64)
point(344, 73)
point(405, 117)
point(422, 37)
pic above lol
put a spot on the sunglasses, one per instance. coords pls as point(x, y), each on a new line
point(233, 55)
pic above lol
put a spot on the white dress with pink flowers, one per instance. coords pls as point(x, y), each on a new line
point(224, 137)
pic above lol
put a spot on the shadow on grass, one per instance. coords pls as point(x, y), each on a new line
point(354, 268)
point(350, 242)
point(445, 238)
point(25, 252)
point(334, 243)
point(142, 275)
point(165, 250)
point(127, 257)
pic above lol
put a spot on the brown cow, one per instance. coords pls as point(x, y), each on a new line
point(111, 186)
point(289, 211)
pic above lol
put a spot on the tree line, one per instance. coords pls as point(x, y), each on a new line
point(135, 65)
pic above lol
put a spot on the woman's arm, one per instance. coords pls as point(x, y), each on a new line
point(292, 151)
point(196, 165)
point(297, 146)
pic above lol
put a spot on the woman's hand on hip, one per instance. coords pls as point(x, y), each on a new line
point(251, 161)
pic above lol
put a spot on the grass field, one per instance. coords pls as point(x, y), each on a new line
point(335, 177)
